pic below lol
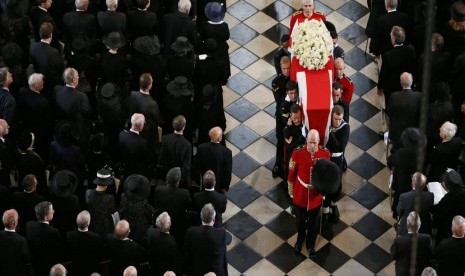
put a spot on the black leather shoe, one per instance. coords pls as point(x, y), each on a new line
point(275, 172)
point(312, 253)
point(381, 135)
point(335, 214)
point(297, 248)
point(344, 164)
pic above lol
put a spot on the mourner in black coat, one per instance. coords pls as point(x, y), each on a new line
point(216, 157)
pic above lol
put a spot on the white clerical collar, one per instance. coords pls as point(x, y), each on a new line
point(210, 190)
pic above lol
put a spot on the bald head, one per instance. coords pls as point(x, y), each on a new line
point(122, 229)
point(216, 134)
point(3, 128)
point(130, 271)
point(406, 80)
point(418, 181)
point(58, 270)
point(10, 219)
point(83, 220)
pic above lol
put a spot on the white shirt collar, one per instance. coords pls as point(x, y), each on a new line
point(135, 131)
point(143, 92)
point(42, 8)
point(210, 190)
point(9, 230)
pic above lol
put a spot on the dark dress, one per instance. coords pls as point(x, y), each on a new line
point(139, 214)
point(220, 32)
point(100, 206)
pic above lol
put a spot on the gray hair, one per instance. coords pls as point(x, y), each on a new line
point(173, 176)
point(81, 4)
point(458, 224)
point(34, 80)
point(207, 215)
point(3, 75)
point(307, 1)
point(42, 209)
point(209, 179)
point(163, 222)
point(390, 4)
point(70, 74)
point(406, 80)
point(413, 222)
point(184, 6)
point(111, 4)
point(398, 34)
point(83, 220)
point(449, 129)
point(137, 119)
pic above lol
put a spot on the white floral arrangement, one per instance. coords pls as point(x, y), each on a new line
point(312, 44)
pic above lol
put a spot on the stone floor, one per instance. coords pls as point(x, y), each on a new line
point(258, 214)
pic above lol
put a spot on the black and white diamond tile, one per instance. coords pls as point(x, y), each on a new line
point(258, 214)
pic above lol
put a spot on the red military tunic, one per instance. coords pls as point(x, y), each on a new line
point(299, 16)
point(300, 171)
point(347, 88)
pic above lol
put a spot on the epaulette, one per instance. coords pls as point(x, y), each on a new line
point(301, 147)
point(297, 12)
point(318, 12)
point(349, 79)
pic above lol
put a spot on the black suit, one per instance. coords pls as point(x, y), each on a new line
point(218, 158)
point(39, 16)
point(111, 21)
point(383, 25)
point(164, 254)
point(403, 111)
point(401, 251)
point(47, 61)
point(205, 251)
point(445, 155)
point(395, 62)
point(14, 255)
point(176, 151)
point(407, 205)
point(30, 104)
point(451, 260)
point(79, 24)
point(124, 253)
point(24, 203)
point(179, 24)
point(141, 23)
point(7, 106)
point(218, 201)
point(86, 250)
point(450, 205)
point(73, 106)
point(133, 152)
point(145, 104)
point(46, 246)
point(441, 62)
point(175, 201)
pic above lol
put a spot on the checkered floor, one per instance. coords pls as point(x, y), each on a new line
point(258, 215)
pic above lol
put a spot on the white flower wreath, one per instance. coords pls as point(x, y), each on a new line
point(312, 44)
